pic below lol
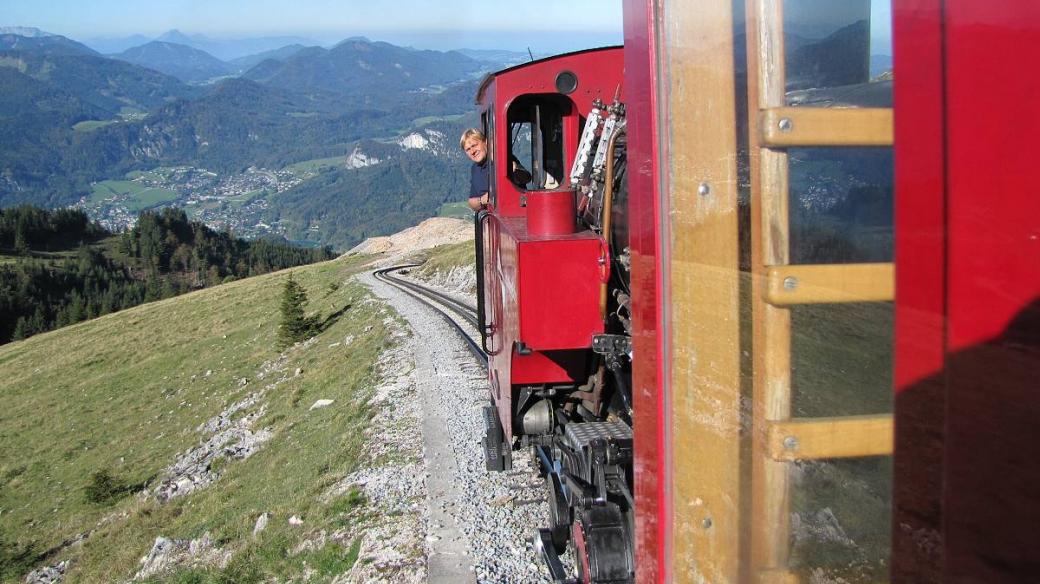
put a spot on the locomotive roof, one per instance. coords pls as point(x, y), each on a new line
point(487, 78)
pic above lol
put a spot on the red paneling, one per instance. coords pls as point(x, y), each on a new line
point(967, 461)
point(559, 292)
point(991, 489)
point(920, 188)
point(651, 449)
point(920, 291)
point(994, 207)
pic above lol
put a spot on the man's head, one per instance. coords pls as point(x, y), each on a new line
point(474, 144)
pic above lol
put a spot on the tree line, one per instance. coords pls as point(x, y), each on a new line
point(88, 272)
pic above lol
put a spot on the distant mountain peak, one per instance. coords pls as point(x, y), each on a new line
point(41, 42)
point(185, 62)
point(175, 36)
point(25, 31)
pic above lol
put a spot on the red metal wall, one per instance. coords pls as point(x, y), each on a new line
point(967, 486)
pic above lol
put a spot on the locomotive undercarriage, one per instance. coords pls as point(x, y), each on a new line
point(582, 445)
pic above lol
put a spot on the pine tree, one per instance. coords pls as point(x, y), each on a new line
point(295, 326)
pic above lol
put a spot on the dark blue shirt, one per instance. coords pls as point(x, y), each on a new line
point(479, 179)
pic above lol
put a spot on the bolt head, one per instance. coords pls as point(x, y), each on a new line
point(707, 523)
point(785, 124)
point(704, 189)
point(790, 283)
point(790, 443)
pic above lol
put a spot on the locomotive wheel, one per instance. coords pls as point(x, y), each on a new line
point(559, 515)
point(602, 545)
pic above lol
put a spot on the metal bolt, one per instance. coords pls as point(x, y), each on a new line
point(707, 523)
point(704, 189)
point(785, 124)
point(790, 283)
point(790, 443)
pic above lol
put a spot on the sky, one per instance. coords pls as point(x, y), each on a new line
point(544, 26)
point(435, 24)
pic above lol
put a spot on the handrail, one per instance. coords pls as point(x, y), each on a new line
point(478, 239)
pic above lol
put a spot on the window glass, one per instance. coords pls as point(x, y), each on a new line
point(838, 54)
point(536, 141)
point(841, 205)
point(841, 359)
point(841, 519)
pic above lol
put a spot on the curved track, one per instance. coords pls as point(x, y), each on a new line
point(428, 297)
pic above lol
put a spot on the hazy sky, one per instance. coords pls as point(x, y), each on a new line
point(323, 20)
point(543, 25)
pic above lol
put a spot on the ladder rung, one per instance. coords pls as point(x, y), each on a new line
point(808, 126)
point(829, 283)
point(841, 437)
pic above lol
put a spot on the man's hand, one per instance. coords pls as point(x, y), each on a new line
point(478, 203)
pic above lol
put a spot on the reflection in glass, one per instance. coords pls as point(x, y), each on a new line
point(838, 54)
point(840, 519)
point(841, 205)
point(841, 359)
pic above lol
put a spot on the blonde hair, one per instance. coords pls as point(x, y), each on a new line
point(470, 133)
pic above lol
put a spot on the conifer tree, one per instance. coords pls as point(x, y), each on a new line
point(295, 326)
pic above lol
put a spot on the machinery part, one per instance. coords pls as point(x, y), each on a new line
point(588, 136)
point(495, 457)
point(543, 545)
point(538, 419)
point(559, 513)
point(603, 546)
point(612, 344)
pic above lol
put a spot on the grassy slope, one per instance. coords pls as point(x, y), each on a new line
point(445, 257)
point(126, 392)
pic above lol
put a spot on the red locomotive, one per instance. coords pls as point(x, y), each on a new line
point(767, 310)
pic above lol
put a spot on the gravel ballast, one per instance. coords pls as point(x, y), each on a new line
point(478, 521)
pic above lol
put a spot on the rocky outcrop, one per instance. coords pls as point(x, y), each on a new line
point(231, 436)
point(168, 554)
point(430, 233)
point(49, 575)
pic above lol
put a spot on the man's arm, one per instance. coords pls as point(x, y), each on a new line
point(478, 203)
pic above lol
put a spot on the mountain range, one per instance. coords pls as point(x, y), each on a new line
point(71, 118)
point(180, 61)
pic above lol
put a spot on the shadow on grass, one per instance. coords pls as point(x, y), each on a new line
point(332, 318)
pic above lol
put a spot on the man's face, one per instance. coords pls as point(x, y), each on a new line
point(476, 149)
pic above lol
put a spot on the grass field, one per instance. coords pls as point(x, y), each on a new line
point(127, 392)
point(445, 257)
point(140, 196)
point(460, 210)
point(425, 120)
point(91, 125)
point(310, 166)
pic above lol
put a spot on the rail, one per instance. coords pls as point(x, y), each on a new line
point(425, 295)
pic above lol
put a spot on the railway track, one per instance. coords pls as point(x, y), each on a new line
point(432, 298)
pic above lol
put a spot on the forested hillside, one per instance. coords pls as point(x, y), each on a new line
point(348, 205)
point(61, 269)
point(80, 129)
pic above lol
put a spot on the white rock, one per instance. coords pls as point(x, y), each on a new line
point(322, 403)
point(261, 523)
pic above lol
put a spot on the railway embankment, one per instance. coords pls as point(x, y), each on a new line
point(176, 442)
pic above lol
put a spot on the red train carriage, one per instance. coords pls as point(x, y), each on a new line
point(785, 327)
point(546, 280)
